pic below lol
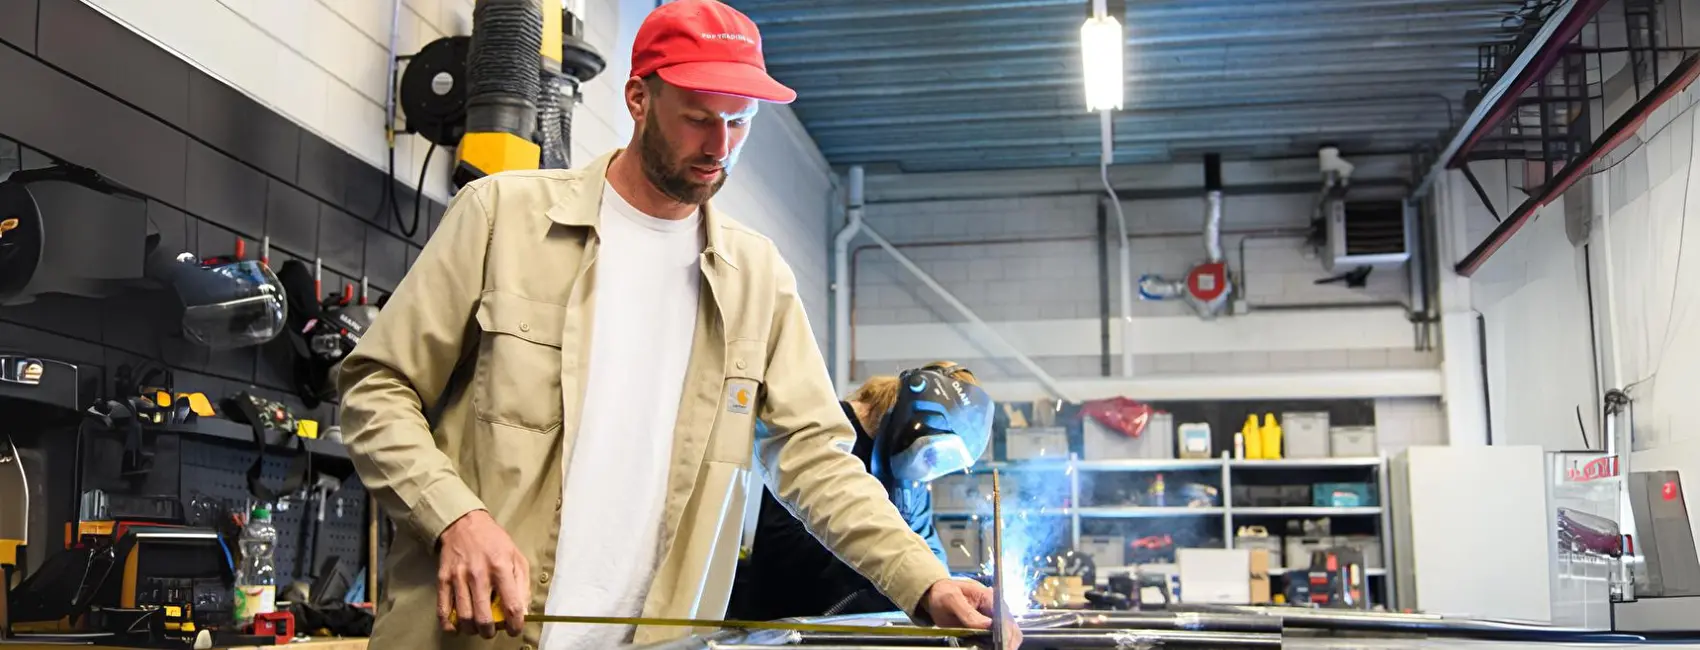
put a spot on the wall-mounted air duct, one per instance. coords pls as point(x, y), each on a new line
point(1206, 287)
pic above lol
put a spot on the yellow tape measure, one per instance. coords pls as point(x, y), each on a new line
point(829, 628)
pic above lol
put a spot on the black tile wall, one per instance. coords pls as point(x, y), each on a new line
point(226, 191)
point(217, 168)
point(227, 119)
point(342, 240)
point(292, 220)
point(71, 120)
point(79, 40)
point(17, 23)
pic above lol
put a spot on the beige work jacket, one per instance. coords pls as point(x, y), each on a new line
point(454, 402)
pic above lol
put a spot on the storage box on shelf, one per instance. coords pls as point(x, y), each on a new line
point(1125, 525)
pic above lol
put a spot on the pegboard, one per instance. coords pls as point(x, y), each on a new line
point(215, 483)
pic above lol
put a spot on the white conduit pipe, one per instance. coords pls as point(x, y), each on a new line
point(841, 282)
point(1045, 378)
point(1104, 123)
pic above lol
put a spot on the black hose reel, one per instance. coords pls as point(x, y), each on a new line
point(497, 81)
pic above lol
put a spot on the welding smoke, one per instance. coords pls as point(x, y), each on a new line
point(1033, 527)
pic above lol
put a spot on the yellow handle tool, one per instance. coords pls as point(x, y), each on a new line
point(830, 628)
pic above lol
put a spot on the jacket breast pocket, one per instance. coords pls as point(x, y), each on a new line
point(741, 396)
point(518, 380)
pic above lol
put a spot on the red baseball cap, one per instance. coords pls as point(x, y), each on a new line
point(706, 46)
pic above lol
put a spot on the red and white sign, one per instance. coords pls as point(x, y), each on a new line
point(1603, 467)
point(1207, 281)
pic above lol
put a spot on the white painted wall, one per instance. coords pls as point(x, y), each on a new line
point(322, 63)
point(1642, 262)
point(1029, 266)
point(1532, 295)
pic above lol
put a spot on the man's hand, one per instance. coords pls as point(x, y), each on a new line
point(966, 603)
point(476, 557)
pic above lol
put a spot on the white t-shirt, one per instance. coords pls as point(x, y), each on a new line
point(648, 280)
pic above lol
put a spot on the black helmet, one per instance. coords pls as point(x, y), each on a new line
point(939, 424)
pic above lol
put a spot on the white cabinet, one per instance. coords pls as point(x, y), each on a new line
point(1470, 526)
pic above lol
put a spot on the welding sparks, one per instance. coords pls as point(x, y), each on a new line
point(1030, 533)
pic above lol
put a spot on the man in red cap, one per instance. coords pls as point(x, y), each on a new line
point(606, 339)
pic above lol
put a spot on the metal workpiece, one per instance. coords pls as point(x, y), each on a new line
point(1191, 621)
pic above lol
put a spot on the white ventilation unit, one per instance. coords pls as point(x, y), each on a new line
point(1373, 233)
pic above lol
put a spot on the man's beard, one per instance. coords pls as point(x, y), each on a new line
point(673, 181)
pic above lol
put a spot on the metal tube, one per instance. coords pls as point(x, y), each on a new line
point(1147, 639)
point(1213, 225)
point(841, 342)
point(1045, 379)
point(1195, 621)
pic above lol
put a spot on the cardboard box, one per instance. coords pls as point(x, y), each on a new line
point(1267, 543)
point(1260, 576)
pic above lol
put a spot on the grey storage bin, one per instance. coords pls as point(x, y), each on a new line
point(1267, 541)
point(1104, 443)
point(962, 547)
point(1305, 434)
point(1106, 551)
point(1353, 442)
point(1034, 443)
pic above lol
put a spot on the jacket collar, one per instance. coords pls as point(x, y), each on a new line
point(582, 206)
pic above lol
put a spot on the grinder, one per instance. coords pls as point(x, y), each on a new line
point(939, 425)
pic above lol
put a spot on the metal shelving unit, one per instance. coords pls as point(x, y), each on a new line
point(1227, 470)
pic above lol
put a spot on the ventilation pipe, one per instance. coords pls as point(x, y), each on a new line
point(1206, 287)
point(841, 280)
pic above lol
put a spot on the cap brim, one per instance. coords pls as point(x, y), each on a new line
point(728, 78)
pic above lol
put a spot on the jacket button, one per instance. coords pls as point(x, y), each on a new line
point(740, 364)
point(543, 578)
point(525, 327)
point(557, 504)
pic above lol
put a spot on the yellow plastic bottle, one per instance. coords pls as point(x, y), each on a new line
point(1253, 438)
point(1271, 436)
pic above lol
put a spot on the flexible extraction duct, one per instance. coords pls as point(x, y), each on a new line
point(1152, 287)
point(504, 79)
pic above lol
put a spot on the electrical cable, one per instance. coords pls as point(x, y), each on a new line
point(419, 191)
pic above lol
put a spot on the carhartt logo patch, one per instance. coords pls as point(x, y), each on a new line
point(740, 395)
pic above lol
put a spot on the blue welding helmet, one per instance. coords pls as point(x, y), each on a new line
point(938, 425)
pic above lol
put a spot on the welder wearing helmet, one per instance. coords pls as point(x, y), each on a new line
point(910, 429)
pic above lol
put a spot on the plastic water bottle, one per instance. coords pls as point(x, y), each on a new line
point(256, 578)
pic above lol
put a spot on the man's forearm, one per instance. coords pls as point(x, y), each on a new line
point(402, 366)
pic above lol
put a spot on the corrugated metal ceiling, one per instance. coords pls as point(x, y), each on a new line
point(981, 84)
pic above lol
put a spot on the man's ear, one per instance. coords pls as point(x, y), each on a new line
point(637, 98)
